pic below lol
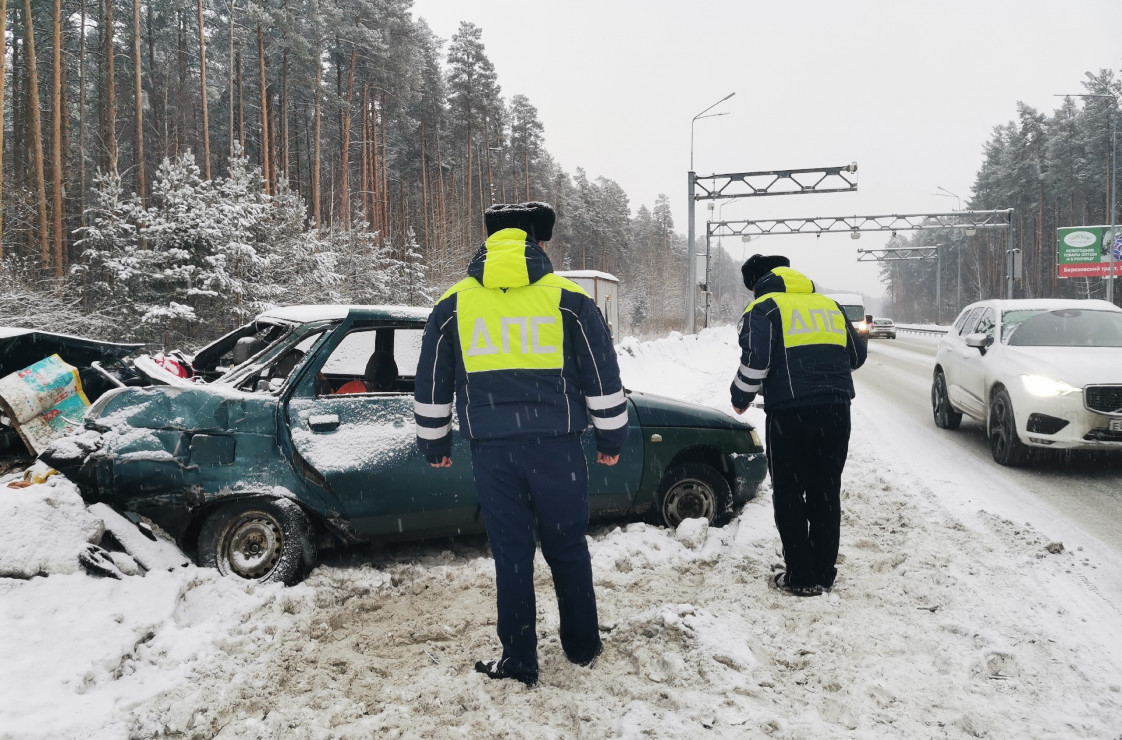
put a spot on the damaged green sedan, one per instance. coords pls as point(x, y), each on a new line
point(309, 443)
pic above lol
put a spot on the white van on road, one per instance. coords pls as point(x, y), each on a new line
point(854, 307)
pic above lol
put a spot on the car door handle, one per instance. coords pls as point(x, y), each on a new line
point(323, 422)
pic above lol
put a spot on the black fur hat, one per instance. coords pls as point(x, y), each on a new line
point(760, 264)
point(536, 219)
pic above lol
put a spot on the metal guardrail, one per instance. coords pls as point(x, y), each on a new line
point(920, 329)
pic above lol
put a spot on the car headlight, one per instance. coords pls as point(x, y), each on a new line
point(1043, 386)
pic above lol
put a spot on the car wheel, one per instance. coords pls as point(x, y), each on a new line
point(260, 540)
point(96, 561)
point(692, 491)
point(945, 415)
point(1005, 445)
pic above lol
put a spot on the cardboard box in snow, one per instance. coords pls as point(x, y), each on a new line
point(44, 401)
point(604, 289)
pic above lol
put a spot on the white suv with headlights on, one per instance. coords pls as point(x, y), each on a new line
point(1035, 372)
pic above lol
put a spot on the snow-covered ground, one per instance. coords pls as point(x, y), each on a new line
point(946, 621)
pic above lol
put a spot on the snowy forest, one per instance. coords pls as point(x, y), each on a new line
point(1054, 170)
point(171, 169)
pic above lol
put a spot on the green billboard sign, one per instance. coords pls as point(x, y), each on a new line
point(1084, 251)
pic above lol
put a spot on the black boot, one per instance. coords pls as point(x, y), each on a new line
point(495, 669)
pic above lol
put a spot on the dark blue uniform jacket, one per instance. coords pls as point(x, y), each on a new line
point(527, 354)
point(797, 348)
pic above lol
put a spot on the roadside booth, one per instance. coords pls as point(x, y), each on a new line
point(604, 289)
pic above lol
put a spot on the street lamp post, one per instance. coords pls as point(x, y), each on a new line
point(709, 292)
point(958, 250)
point(1011, 259)
point(938, 264)
point(708, 256)
point(948, 194)
point(691, 258)
point(702, 115)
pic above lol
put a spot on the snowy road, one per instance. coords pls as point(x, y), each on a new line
point(1077, 501)
point(1084, 488)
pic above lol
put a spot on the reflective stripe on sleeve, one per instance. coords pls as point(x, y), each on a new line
point(752, 373)
point(434, 432)
point(432, 410)
point(611, 422)
point(746, 387)
point(599, 403)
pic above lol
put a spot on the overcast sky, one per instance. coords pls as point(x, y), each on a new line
point(911, 91)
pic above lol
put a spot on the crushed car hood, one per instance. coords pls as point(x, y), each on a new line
point(203, 408)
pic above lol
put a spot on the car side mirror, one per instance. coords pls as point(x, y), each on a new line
point(977, 341)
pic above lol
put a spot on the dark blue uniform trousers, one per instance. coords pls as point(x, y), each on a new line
point(538, 488)
point(806, 452)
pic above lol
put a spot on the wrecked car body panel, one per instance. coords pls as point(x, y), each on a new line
point(22, 347)
point(169, 452)
point(99, 366)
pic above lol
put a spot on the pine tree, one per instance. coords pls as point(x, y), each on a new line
point(473, 92)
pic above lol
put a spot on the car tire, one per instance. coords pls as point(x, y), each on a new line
point(96, 561)
point(1005, 445)
point(694, 490)
point(259, 540)
point(945, 415)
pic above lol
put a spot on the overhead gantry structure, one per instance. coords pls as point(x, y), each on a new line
point(970, 222)
point(804, 181)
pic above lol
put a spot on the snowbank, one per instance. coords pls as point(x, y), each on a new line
point(42, 528)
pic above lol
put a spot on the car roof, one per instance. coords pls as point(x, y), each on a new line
point(1045, 304)
point(586, 274)
point(305, 313)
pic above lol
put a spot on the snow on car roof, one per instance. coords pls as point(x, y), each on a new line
point(852, 299)
point(1052, 304)
point(7, 332)
point(326, 312)
point(587, 274)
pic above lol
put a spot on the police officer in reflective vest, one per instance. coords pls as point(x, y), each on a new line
point(798, 351)
point(530, 360)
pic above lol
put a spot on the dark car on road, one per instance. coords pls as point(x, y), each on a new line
point(278, 457)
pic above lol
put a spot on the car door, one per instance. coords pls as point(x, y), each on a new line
point(953, 352)
point(613, 488)
point(972, 370)
point(364, 444)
